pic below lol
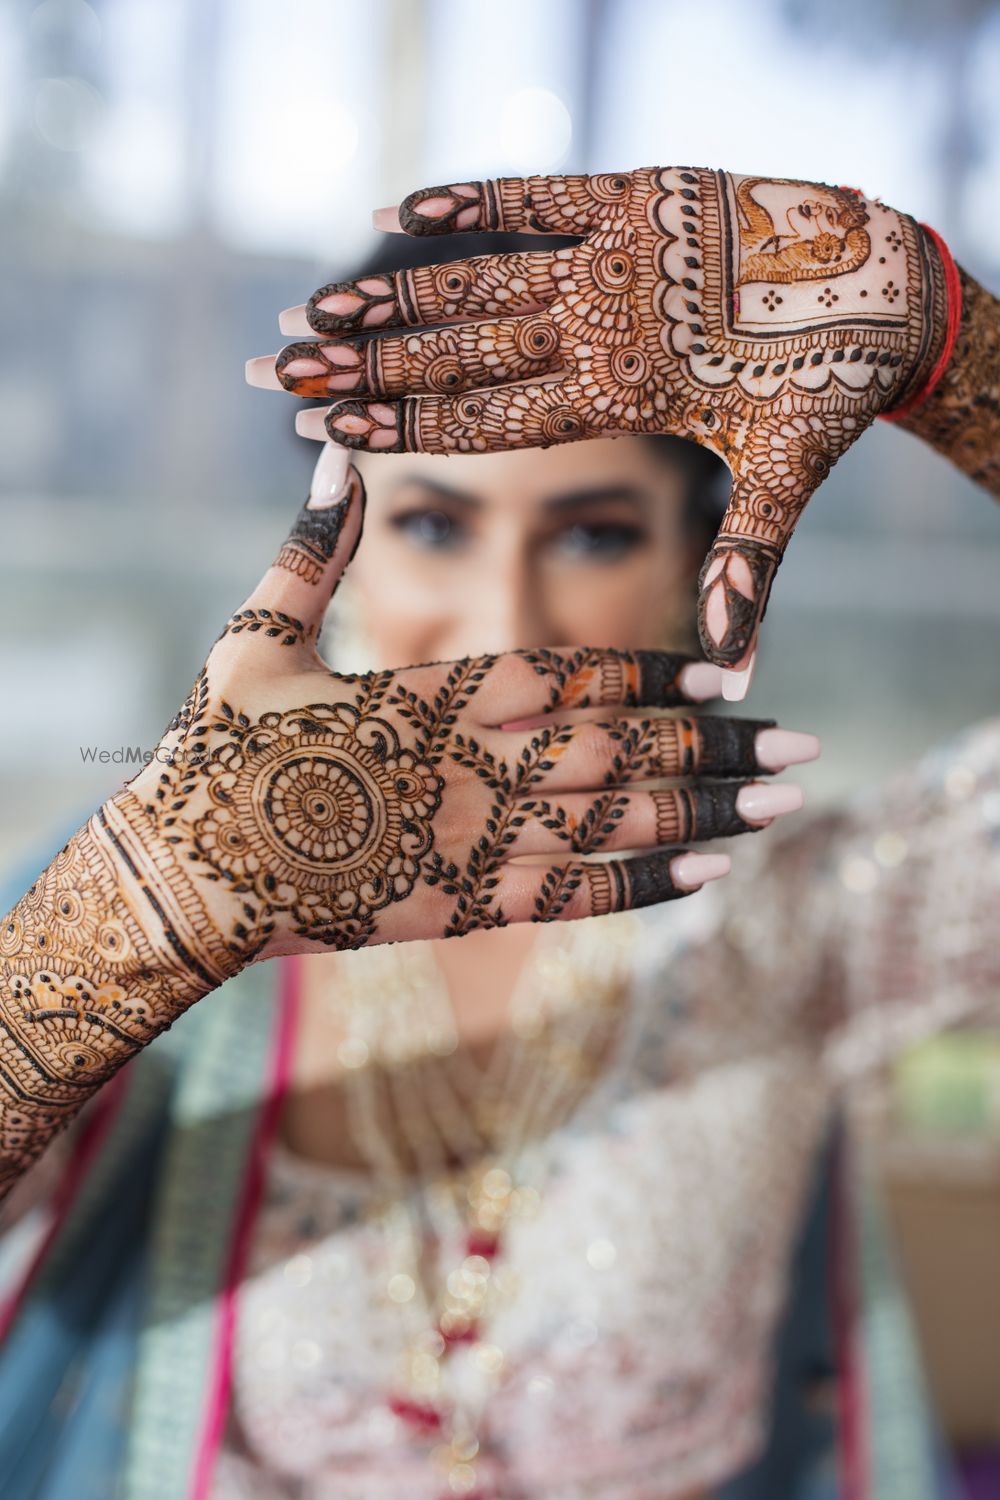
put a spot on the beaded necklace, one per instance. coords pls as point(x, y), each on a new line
point(458, 1150)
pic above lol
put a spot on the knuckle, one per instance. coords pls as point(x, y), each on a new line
point(598, 743)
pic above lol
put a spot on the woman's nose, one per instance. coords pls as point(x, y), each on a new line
point(510, 607)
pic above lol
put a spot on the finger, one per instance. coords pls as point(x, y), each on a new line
point(294, 593)
point(780, 467)
point(539, 205)
point(528, 684)
point(445, 360)
point(516, 416)
point(566, 892)
point(591, 755)
point(486, 286)
point(588, 823)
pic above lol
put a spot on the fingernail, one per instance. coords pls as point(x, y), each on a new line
point(294, 321)
point(736, 681)
point(701, 680)
point(261, 373)
point(311, 424)
point(329, 480)
point(386, 220)
point(689, 871)
point(777, 748)
point(760, 802)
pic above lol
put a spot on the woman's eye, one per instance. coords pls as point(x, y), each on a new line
point(433, 530)
point(599, 542)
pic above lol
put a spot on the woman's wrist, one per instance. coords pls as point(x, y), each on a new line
point(106, 949)
point(959, 414)
point(932, 308)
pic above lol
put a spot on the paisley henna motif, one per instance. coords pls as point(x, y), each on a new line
point(487, 286)
point(771, 320)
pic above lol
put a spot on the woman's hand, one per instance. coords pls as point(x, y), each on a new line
point(288, 807)
point(770, 320)
point(352, 810)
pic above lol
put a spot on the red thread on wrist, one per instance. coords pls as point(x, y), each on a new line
point(953, 288)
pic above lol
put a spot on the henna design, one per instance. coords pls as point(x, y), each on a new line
point(586, 678)
point(698, 813)
point(312, 540)
point(273, 623)
point(486, 286)
point(749, 314)
point(733, 590)
point(650, 748)
point(475, 888)
point(382, 811)
point(194, 707)
point(961, 417)
point(820, 236)
point(100, 954)
point(650, 880)
point(445, 360)
point(617, 885)
point(317, 813)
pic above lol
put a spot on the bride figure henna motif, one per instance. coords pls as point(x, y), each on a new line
point(288, 807)
point(822, 236)
point(770, 320)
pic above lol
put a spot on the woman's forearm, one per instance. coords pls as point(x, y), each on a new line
point(961, 417)
point(108, 947)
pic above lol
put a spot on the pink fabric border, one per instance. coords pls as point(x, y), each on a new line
point(854, 1446)
point(220, 1378)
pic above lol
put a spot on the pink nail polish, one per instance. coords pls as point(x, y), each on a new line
point(777, 748)
point(690, 871)
point(311, 424)
point(260, 372)
point(329, 479)
point(386, 220)
point(761, 801)
point(736, 683)
point(701, 680)
point(294, 321)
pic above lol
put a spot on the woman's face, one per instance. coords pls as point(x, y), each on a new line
point(568, 546)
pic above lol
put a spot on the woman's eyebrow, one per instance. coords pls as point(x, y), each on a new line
point(599, 494)
point(461, 498)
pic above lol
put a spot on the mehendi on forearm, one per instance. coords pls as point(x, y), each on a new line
point(111, 943)
point(961, 416)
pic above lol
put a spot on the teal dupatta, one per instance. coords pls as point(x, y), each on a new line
point(113, 1371)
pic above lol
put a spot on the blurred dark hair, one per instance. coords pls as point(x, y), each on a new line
point(704, 477)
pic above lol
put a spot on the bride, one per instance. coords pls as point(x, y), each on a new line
point(512, 1216)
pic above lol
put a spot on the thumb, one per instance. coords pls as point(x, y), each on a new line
point(292, 597)
point(770, 490)
point(733, 591)
point(783, 461)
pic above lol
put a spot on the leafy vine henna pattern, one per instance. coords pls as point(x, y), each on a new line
point(771, 320)
point(288, 807)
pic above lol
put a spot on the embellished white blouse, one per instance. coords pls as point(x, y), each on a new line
point(632, 1358)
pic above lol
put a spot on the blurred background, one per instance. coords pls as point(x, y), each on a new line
point(174, 172)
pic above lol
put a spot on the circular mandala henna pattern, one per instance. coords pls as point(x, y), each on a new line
point(321, 814)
